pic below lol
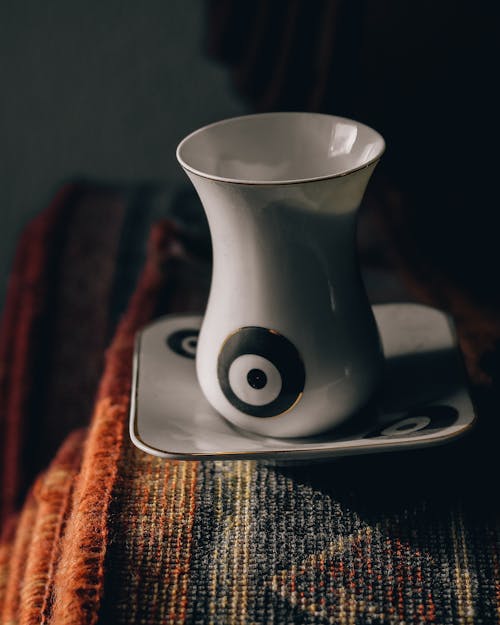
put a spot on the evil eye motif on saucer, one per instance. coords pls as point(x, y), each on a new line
point(184, 342)
point(260, 372)
point(419, 421)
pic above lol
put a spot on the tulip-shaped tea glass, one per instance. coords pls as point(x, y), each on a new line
point(288, 345)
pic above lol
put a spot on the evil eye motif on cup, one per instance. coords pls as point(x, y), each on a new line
point(184, 342)
point(260, 372)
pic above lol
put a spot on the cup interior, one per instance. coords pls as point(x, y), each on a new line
point(280, 148)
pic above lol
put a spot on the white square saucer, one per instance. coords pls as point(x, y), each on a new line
point(423, 400)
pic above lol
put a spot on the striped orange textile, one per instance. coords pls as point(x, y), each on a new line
point(80, 575)
point(30, 555)
point(27, 297)
point(65, 262)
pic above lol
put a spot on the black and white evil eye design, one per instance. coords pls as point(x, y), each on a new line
point(184, 342)
point(260, 372)
point(419, 421)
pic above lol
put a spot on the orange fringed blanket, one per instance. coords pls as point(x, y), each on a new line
point(52, 564)
point(108, 534)
point(52, 553)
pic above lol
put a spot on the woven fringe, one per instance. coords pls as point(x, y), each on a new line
point(28, 283)
point(54, 493)
point(18, 556)
point(79, 580)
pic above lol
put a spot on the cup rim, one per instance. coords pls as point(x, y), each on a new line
point(239, 181)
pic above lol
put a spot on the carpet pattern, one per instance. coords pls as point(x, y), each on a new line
point(108, 534)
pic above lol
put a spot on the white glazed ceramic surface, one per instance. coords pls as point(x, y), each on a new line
point(279, 148)
point(423, 398)
point(288, 345)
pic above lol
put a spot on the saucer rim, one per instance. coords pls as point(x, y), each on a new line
point(451, 433)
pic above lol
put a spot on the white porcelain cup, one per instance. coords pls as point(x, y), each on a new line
point(288, 345)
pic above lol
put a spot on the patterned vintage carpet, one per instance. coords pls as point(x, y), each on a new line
point(108, 534)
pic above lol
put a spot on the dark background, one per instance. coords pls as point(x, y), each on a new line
point(98, 89)
point(105, 90)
